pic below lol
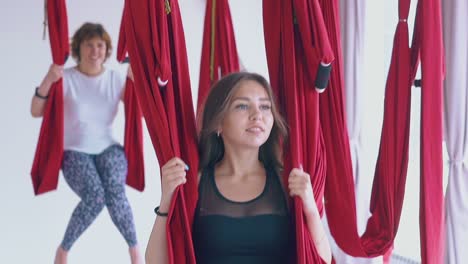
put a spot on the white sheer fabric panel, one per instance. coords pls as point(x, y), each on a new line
point(455, 18)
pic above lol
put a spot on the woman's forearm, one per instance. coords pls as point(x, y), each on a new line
point(173, 174)
point(314, 223)
point(38, 104)
point(156, 251)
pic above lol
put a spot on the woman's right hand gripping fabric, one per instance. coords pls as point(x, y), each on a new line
point(173, 174)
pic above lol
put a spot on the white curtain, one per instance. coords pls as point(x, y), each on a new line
point(455, 16)
point(352, 17)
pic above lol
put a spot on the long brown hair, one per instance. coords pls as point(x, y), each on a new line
point(211, 146)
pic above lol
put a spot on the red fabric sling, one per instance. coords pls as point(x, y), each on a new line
point(295, 46)
point(49, 150)
point(219, 53)
point(390, 175)
point(288, 73)
point(156, 46)
point(388, 190)
point(133, 137)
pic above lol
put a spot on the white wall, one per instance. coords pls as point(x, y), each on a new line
point(32, 227)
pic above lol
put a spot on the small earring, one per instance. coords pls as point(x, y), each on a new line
point(218, 133)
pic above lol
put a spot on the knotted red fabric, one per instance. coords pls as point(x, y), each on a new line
point(153, 33)
point(49, 150)
point(219, 53)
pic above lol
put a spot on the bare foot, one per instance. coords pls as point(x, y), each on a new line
point(61, 256)
point(135, 255)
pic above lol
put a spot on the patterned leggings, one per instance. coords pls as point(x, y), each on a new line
point(99, 180)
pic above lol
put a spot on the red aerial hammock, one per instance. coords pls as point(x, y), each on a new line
point(49, 150)
point(392, 161)
point(133, 124)
point(156, 47)
point(296, 43)
point(146, 69)
point(219, 53)
point(390, 175)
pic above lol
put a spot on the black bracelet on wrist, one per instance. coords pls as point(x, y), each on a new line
point(159, 213)
point(37, 94)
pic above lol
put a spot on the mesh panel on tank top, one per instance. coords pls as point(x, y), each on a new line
point(253, 232)
point(212, 202)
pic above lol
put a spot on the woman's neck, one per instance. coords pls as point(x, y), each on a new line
point(240, 163)
point(90, 70)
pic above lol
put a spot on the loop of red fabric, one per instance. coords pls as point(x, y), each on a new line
point(390, 173)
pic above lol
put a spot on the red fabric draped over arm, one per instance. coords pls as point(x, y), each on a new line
point(154, 31)
point(219, 53)
point(49, 150)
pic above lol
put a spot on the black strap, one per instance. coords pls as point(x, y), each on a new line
point(417, 83)
point(159, 213)
point(37, 94)
point(323, 75)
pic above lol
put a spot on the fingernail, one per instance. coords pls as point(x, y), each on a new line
point(187, 167)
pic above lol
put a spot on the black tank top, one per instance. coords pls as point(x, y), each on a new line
point(256, 231)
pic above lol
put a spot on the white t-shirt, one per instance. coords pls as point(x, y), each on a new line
point(90, 107)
